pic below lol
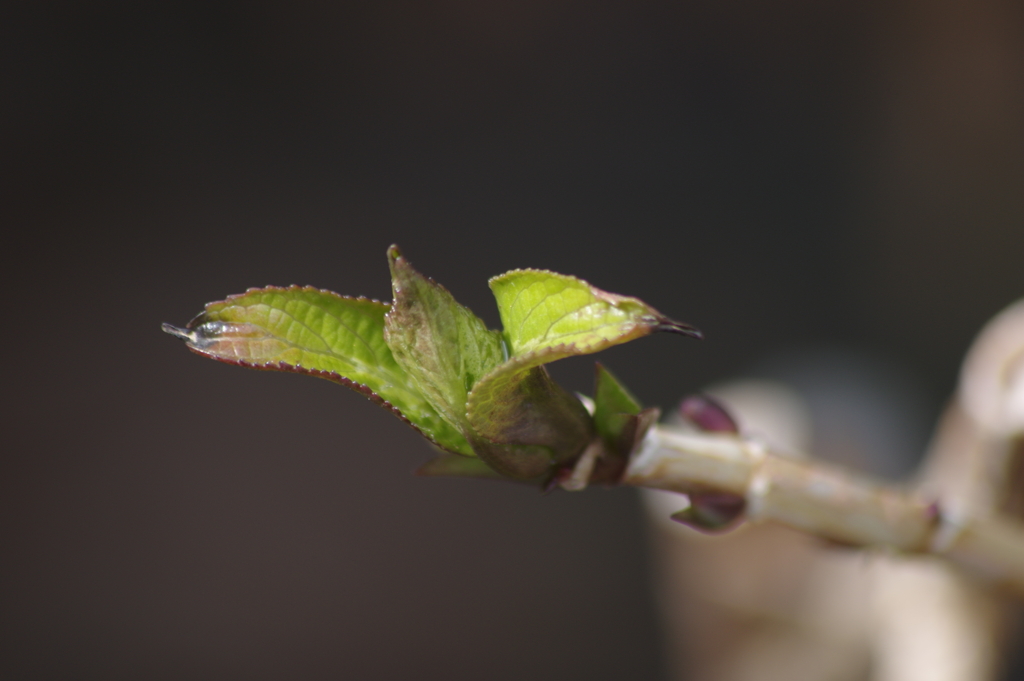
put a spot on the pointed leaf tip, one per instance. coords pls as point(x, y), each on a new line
point(183, 334)
point(682, 328)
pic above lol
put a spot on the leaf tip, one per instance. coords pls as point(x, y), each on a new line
point(184, 334)
point(402, 272)
point(682, 328)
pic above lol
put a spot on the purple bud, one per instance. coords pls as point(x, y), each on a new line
point(707, 414)
point(712, 512)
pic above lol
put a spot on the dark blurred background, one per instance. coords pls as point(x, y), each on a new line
point(785, 175)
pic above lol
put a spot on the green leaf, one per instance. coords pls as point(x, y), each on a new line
point(528, 423)
point(317, 332)
point(443, 347)
point(610, 395)
point(613, 405)
point(550, 316)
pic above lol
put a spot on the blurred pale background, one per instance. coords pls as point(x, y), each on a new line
point(792, 177)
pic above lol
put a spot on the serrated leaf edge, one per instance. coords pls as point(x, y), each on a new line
point(291, 287)
point(654, 319)
point(599, 293)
